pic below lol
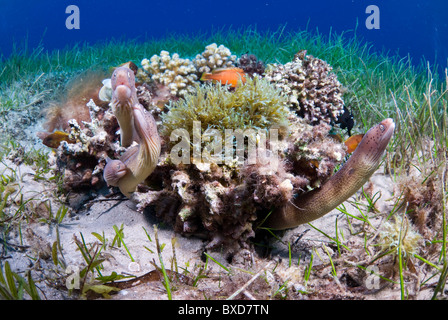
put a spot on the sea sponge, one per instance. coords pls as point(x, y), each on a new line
point(312, 88)
point(178, 74)
point(214, 57)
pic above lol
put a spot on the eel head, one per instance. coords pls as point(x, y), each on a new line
point(374, 143)
point(123, 84)
point(114, 171)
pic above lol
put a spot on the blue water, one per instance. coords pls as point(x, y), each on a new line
point(417, 28)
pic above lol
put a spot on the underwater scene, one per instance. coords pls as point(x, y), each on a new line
point(266, 150)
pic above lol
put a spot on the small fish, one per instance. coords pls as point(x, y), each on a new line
point(314, 163)
point(54, 139)
point(353, 142)
point(335, 136)
point(346, 121)
point(229, 76)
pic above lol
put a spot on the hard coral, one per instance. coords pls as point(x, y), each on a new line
point(251, 65)
point(178, 74)
point(214, 57)
point(311, 86)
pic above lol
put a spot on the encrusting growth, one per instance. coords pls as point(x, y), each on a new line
point(138, 162)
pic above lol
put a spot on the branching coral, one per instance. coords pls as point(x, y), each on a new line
point(251, 65)
point(311, 86)
point(214, 57)
point(178, 74)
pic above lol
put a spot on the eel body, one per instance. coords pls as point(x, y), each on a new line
point(139, 161)
point(349, 179)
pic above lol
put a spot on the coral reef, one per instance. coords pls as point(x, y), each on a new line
point(311, 86)
point(219, 200)
point(178, 74)
point(222, 201)
point(214, 57)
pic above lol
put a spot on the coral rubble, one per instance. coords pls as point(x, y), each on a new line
point(82, 162)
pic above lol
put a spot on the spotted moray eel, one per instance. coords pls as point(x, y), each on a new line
point(349, 179)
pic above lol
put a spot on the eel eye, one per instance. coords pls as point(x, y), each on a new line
point(382, 127)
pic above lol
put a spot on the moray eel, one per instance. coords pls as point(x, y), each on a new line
point(114, 171)
point(349, 179)
point(139, 161)
point(124, 97)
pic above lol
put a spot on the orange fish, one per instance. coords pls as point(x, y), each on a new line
point(229, 76)
point(353, 142)
point(314, 163)
point(54, 139)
